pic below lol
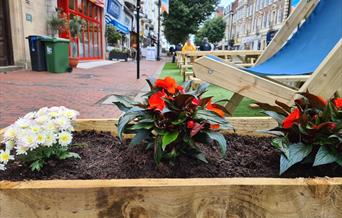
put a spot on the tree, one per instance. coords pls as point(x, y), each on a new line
point(213, 29)
point(112, 35)
point(185, 17)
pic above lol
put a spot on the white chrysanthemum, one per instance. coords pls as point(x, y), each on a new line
point(50, 139)
point(22, 123)
point(2, 167)
point(41, 119)
point(35, 129)
point(41, 138)
point(30, 140)
point(63, 123)
point(64, 138)
point(10, 133)
point(21, 150)
point(50, 126)
point(9, 145)
point(71, 114)
point(53, 114)
point(42, 111)
point(30, 115)
point(5, 156)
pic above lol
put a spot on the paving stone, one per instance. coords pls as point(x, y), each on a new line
point(83, 89)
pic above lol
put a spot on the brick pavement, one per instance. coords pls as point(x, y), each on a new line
point(82, 90)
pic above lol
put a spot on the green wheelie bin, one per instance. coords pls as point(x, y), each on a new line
point(57, 54)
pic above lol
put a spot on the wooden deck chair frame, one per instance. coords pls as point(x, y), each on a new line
point(325, 81)
point(302, 11)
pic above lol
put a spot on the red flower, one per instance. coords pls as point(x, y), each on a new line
point(169, 84)
point(291, 119)
point(195, 101)
point(338, 103)
point(180, 89)
point(214, 126)
point(156, 101)
point(190, 124)
point(332, 125)
point(211, 107)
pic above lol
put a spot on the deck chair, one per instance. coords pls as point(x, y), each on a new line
point(315, 50)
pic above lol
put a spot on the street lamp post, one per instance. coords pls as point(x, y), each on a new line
point(138, 38)
point(158, 42)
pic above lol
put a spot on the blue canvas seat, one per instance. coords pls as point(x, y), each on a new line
point(315, 48)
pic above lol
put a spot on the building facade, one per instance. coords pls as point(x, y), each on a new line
point(251, 24)
point(22, 18)
point(89, 45)
point(120, 13)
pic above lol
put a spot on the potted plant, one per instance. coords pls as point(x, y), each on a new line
point(57, 23)
point(172, 128)
point(119, 54)
point(75, 28)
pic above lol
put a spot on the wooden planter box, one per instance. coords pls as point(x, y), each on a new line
point(158, 198)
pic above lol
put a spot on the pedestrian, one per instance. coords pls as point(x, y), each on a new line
point(205, 46)
point(172, 52)
point(188, 46)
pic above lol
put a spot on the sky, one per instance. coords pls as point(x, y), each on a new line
point(225, 2)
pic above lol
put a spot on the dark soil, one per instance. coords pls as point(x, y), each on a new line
point(104, 157)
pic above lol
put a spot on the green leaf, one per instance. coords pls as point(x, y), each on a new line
point(128, 117)
point(37, 165)
point(281, 144)
point(203, 87)
point(297, 152)
point(201, 157)
point(213, 118)
point(324, 156)
point(219, 138)
point(122, 102)
point(168, 138)
point(158, 154)
point(278, 117)
point(187, 85)
point(139, 137)
point(142, 125)
point(67, 155)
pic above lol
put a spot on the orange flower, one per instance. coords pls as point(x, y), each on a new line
point(338, 103)
point(214, 126)
point(291, 119)
point(169, 84)
point(211, 107)
point(156, 101)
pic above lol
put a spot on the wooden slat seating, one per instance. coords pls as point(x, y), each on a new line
point(325, 80)
point(242, 58)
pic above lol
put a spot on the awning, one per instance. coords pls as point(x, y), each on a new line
point(119, 26)
point(99, 3)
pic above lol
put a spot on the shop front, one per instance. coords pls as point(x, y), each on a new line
point(89, 45)
point(121, 18)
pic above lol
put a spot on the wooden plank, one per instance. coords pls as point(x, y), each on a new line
point(242, 125)
point(241, 82)
point(233, 103)
point(169, 198)
point(327, 78)
point(303, 10)
point(297, 78)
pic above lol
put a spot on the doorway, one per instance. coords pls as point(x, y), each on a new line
point(6, 53)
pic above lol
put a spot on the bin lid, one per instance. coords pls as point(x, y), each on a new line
point(54, 39)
